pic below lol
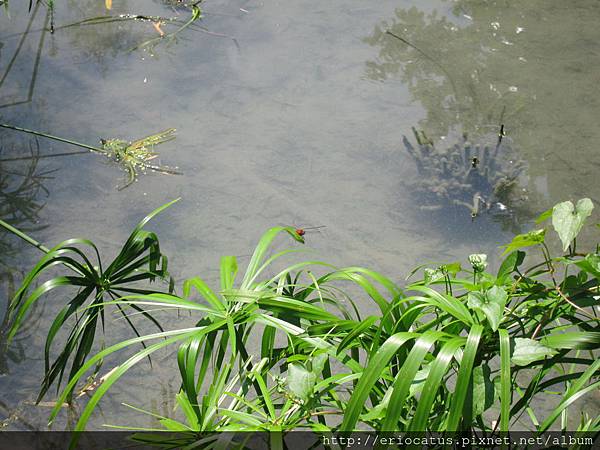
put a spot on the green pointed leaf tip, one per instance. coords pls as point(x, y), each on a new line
point(544, 216)
point(567, 219)
point(534, 237)
point(510, 265)
point(478, 262)
point(527, 351)
point(491, 304)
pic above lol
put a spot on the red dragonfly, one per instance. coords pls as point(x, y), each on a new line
point(302, 231)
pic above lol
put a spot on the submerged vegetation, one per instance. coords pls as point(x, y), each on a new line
point(283, 348)
point(481, 176)
point(131, 156)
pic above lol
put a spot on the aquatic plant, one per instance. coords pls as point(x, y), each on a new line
point(481, 176)
point(446, 352)
point(95, 283)
point(131, 156)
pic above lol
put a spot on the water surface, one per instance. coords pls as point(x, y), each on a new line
point(296, 118)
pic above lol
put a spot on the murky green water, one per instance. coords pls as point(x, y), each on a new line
point(296, 118)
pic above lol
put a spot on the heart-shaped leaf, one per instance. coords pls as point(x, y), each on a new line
point(302, 378)
point(528, 351)
point(301, 381)
point(568, 219)
point(491, 304)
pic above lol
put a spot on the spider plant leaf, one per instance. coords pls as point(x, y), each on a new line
point(406, 376)
point(297, 308)
point(262, 248)
point(61, 318)
point(35, 296)
point(177, 335)
point(439, 367)
point(568, 399)
point(446, 303)
point(574, 340)
point(505, 380)
point(369, 377)
point(242, 417)
point(356, 332)
point(229, 270)
point(465, 374)
point(203, 289)
point(350, 274)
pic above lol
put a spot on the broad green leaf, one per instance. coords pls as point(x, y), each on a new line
point(591, 264)
point(510, 264)
point(301, 381)
point(452, 268)
point(527, 351)
point(491, 304)
point(483, 389)
point(525, 240)
point(567, 219)
point(317, 363)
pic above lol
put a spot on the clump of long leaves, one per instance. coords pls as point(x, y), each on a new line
point(95, 283)
point(280, 349)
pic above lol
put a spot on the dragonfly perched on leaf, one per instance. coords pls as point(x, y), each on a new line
point(138, 154)
point(132, 156)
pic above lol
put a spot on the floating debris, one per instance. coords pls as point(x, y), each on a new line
point(137, 154)
point(478, 176)
point(131, 156)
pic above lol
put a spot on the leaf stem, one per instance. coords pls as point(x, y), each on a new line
point(56, 138)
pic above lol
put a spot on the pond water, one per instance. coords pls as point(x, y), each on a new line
point(286, 113)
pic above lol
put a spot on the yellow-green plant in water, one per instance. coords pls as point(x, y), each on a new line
point(132, 156)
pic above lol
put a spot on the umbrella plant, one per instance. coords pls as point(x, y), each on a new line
point(280, 347)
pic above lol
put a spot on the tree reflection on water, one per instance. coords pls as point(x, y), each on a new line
point(527, 65)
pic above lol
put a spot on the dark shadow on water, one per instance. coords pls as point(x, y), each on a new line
point(22, 197)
